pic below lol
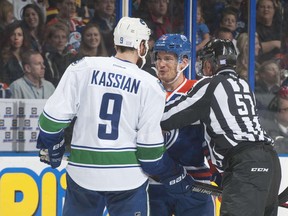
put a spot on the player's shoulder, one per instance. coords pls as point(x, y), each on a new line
point(89, 60)
point(79, 66)
point(150, 81)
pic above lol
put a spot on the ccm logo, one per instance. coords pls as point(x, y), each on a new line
point(259, 169)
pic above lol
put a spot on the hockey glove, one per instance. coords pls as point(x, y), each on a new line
point(52, 144)
point(44, 156)
point(53, 155)
point(179, 184)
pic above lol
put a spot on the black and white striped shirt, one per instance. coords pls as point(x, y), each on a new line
point(226, 106)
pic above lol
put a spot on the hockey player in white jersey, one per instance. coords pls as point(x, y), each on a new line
point(117, 133)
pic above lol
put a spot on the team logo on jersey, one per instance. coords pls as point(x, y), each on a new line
point(170, 137)
point(163, 37)
point(183, 37)
point(137, 213)
point(142, 22)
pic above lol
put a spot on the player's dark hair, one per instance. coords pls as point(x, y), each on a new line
point(124, 49)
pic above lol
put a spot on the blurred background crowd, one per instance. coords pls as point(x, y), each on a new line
point(40, 38)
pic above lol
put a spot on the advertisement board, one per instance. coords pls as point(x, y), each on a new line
point(29, 187)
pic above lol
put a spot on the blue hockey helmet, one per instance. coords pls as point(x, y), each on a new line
point(173, 43)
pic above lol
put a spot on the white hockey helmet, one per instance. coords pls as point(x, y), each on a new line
point(129, 32)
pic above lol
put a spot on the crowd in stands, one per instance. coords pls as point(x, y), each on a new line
point(62, 31)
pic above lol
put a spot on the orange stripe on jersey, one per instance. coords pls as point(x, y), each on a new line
point(200, 175)
point(188, 85)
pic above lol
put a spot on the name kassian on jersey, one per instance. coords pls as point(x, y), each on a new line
point(113, 80)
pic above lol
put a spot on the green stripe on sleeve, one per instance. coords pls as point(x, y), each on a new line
point(49, 125)
point(150, 153)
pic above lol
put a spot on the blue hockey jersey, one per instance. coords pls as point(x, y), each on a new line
point(187, 145)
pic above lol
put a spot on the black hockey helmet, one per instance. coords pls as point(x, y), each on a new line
point(219, 53)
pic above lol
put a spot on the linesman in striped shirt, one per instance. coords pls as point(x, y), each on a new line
point(239, 147)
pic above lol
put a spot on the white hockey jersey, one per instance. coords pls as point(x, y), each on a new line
point(118, 108)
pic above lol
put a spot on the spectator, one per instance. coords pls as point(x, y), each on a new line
point(33, 21)
point(243, 57)
point(20, 4)
point(92, 43)
point(285, 17)
point(51, 10)
point(14, 43)
point(240, 8)
point(229, 20)
point(91, 7)
point(104, 17)
point(268, 28)
point(283, 57)
point(140, 8)
point(5, 91)
point(56, 54)
point(157, 18)
point(68, 15)
point(32, 85)
point(83, 10)
point(266, 86)
point(6, 16)
point(177, 15)
point(212, 13)
point(277, 127)
point(203, 33)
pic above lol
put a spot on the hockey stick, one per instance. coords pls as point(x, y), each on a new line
point(217, 191)
point(207, 189)
point(283, 198)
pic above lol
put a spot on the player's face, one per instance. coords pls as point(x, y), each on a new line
point(166, 65)
point(92, 37)
point(36, 67)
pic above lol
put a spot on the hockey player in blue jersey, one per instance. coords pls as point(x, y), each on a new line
point(172, 54)
point(117, 133)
